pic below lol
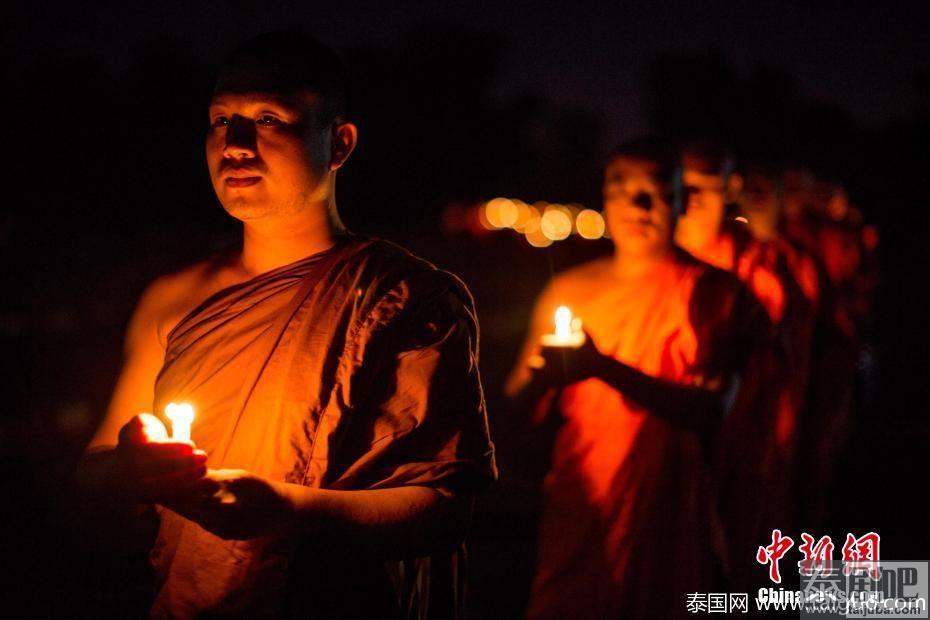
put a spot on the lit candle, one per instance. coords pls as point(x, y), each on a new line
point(567, 330)
point(153, 428)
point(181, 416)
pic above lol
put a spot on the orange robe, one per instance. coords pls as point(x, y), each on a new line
point(786, 281)
point(352, 369)
point(628, 525)
point(749, 460)
point(737, 251)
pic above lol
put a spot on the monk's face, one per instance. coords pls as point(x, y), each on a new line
point(699, 226)
point(759, 204)
point(268, 154)
point(637, 207)
point(797, 189)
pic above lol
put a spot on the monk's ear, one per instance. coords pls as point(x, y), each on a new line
point(734, 186)
point(344, 139)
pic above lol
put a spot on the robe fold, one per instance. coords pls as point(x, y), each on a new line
point(353, 369)
point(628, 524)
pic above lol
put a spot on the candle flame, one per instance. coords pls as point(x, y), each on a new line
point(153, 428)
point(181, 416)
point(563, 322)
point(568, 332)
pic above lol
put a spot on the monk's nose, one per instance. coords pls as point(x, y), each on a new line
point(240, 138)
point(643, 201)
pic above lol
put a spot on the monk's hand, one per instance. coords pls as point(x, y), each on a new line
point(237, 505)
point(559, 366)
point(156, 469)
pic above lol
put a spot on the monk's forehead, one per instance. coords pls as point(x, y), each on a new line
point(247, 74)
point(627, 167)
point(698, 163)
point(297, 101)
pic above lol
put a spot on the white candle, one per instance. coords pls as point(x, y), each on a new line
point(567, 330)
point(181, 416)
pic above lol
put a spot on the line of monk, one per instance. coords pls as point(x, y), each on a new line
point(341, 432)
point(709, 401)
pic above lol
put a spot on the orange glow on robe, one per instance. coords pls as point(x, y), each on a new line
point(736, 251)
point(352, 370)
point(786, 281)
point(628, 518)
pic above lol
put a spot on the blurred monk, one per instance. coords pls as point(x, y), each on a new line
point(835, 234)
point(758, 437)
point(627, 526)
point(705, 231)
point(340, 425)
point(785, 280)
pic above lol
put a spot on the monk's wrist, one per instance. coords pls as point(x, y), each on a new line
point(604, 367)
point(302, 508)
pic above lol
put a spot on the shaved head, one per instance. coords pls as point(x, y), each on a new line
point(288, 64)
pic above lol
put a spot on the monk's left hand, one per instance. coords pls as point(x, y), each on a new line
point(564, 365)
point(237, 505)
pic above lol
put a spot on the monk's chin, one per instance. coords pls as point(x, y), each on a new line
point(245, 211)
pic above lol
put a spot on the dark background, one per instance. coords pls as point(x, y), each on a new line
point(456, 103)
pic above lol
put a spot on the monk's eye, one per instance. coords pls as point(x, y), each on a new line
point(267, 120)
point(219, 121)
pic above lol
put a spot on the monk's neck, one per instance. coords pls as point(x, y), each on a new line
point(272, 242)
point(715, 246)
point(635, 266)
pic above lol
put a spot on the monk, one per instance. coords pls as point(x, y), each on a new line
point(340, 430)
point(627, 527)
point(754, 466)
point(820, 346)
point(707, 233)
point(761, 202)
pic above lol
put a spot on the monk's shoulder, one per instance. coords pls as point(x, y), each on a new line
point(713, 290)
point(387, 265)
point(394, 275)
point(721, 301)
point(169, 297)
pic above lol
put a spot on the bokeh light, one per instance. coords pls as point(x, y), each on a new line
point(590, 224)
point(555, 223)
point(534, 235)
point(500, 213)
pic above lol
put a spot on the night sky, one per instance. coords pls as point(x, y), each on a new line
point(865, 56)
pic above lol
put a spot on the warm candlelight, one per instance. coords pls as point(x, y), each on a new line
point(181, 416)
point(567, 330)
point(153, 428)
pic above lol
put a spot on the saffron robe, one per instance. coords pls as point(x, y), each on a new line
point(756, 469)
point(628, 523)
point(353, 369)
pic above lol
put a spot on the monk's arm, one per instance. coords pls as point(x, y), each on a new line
point(392, 523)
point(98, 472)
point(102, 473)
point(695, 408)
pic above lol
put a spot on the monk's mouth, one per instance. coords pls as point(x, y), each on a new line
point(242, 181)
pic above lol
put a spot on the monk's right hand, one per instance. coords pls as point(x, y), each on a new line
point(157, 471)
